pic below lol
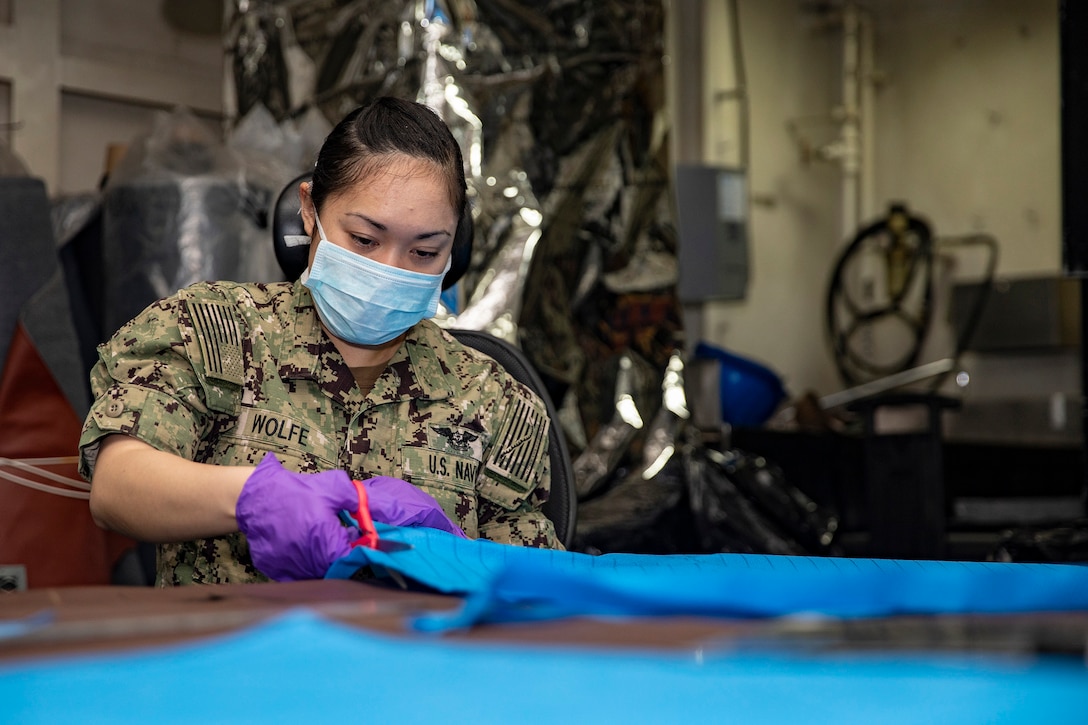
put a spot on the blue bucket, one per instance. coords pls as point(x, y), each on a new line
point(750, 393)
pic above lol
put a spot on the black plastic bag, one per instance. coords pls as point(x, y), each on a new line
point(637, 515)
point(705, 501)
point(726, 520)
point(811, 526)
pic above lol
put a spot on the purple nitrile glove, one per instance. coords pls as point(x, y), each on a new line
point(291, 520)
point(399, 503)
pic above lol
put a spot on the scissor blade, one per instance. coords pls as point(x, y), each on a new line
point(389, 546)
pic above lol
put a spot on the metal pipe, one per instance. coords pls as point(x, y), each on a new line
point(867, 120)
point(850, 133)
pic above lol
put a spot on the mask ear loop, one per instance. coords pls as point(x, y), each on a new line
point(320, 229)
point(305, 240)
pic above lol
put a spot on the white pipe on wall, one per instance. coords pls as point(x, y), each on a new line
point(853, 116)
point(850, 139)
point(867, 117)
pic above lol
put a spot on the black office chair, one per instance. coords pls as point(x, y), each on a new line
point(292, 252)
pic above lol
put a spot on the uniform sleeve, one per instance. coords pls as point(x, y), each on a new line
point(144, 385)
point(516, 477)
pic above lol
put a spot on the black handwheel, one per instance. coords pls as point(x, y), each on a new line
point(879, 303)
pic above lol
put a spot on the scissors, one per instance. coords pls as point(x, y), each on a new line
point(362, 521)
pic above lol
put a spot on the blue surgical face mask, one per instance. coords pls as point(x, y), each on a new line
point(366, 302)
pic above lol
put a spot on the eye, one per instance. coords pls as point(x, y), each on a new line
point(425, 253)
point(363, 242)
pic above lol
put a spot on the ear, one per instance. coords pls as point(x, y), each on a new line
point(306, 207)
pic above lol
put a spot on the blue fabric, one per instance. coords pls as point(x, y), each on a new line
point(510, 583)
point(299, 668)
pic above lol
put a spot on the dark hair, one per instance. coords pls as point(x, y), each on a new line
point(363, 141)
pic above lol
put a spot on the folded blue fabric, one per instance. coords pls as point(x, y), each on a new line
point(509, 583)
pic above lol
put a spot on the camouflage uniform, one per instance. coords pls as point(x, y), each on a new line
point(224, 372)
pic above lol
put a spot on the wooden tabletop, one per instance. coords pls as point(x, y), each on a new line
point(78, 619)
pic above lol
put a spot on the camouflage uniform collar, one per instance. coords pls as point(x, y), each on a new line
point(420, 362)
point(304, 346)
point(432, 370)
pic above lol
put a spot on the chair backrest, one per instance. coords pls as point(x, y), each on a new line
point(292, 251)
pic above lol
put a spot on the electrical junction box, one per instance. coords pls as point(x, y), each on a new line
point(712, 217)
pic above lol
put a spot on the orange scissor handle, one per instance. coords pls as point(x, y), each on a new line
point(369, 536)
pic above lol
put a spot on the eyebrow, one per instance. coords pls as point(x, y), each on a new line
point(378, 225)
